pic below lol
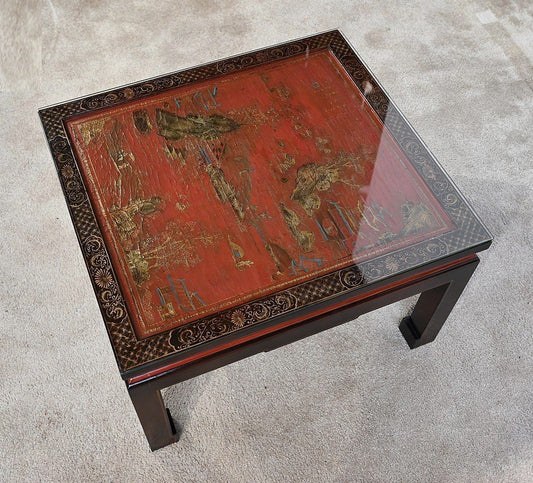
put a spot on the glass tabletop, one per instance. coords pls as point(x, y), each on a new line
point(263, 174)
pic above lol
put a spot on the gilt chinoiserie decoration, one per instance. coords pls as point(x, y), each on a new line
point(218, 200)
point(212, 195)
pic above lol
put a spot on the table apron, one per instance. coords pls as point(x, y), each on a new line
point(309, 326)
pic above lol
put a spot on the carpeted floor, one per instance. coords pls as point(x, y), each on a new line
point(351, 404)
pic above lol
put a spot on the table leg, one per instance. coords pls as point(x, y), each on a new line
point(153, 415)
point(434, 306)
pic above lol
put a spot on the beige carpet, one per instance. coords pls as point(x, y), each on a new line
point(351, 404)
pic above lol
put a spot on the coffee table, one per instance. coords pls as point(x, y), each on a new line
point(247, 203)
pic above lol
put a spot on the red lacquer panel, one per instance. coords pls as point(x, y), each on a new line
point(214, 195)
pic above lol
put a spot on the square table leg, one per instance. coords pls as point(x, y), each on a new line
point(153, 415)
point(434, 306)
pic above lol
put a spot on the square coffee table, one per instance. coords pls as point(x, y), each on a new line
point(244, 204)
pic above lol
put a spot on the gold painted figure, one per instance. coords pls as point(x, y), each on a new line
point(311, 177)
point(123, 217)
point(304, 238)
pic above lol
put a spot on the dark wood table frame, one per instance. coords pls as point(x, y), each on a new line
point(440, 288)
point(438, 268)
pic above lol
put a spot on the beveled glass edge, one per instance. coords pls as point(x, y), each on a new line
point(131, 352)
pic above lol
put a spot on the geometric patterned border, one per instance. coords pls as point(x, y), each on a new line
point(131, 352)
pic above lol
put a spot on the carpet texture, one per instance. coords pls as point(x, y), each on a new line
point(351, 404)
